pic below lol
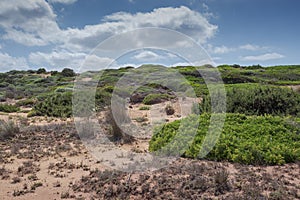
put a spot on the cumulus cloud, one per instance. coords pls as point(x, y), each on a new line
point(8, 62)
point(180, 19)
point(31, 23)
point(263, 57)
point(34, 23)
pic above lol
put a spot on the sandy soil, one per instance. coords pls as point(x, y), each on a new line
point(47, 160)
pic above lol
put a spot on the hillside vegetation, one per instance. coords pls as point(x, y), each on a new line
point(261, 127)
point(244, 139)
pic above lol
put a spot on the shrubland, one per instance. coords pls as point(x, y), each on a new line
point(263, 140)
point(257, 100)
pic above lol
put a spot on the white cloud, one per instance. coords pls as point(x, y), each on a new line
point(94, 63)
point(58, 60)
point(148, 56)
point(62, 1)
point(8, 62)
point(263, 57)
point(180, 64)
point(31, 23)
point(252, 47)
point(34, 23)
point(219, 49)
point(222, 49)
point(180, 19)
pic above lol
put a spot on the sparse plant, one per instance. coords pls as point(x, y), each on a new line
point(36, 185)
point(15, 180)
point(141, 119)
point(8, 129)
point(57, 184)
point(169, 110)
point(65, 195)
point(221, 182)
point(144, 108)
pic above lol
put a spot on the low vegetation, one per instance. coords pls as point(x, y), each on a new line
point(8, 108)
point(257, 100)
point(262, 128)
point(8, 129)
point(155, 98)
point(56, 105)
point(144, 108)
point(263, 140)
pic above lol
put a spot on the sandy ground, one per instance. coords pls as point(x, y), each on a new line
point(47, 160)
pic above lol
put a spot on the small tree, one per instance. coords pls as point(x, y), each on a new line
point(41, 71)
point(67, 72)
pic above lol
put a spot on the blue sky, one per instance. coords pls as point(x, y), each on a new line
point(62, 33)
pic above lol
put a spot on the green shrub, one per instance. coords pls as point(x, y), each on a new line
point(9, 108)
point(258, 100)
point(195, 108)
point(144, 108)
point(245, 139)
point(8, 129)
point(155, 98)
point(32, 113)
point(55, 105)
point(26, 102)
point(41, 71)
point(67, 72)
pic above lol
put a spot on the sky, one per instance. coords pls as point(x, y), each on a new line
point(56, 34)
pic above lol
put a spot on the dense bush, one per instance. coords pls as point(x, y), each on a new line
point(244, 139)
point(258, 100)
point(55, 105)
point(8, 108)
point(66, 72)
point(41, 71)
